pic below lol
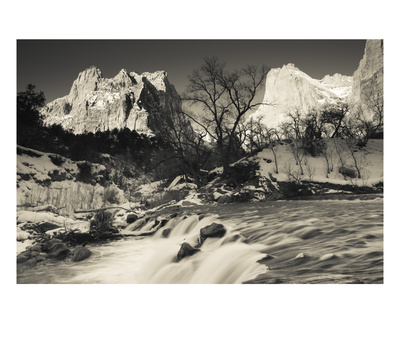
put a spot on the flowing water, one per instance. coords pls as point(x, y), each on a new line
point(327, 241)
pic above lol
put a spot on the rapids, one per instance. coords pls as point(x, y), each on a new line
point(327, 241)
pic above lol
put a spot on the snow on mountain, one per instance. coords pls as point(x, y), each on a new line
point(129, 100)
point(288, 89)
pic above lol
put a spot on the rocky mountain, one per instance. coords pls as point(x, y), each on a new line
point(368, 78)
point(288, 89)
point(129, 100)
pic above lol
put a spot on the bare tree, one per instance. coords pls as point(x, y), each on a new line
point(225, 97)
point(332, 118)
point(294, 129)
point(188, 145)
point(259, 136)
point(366, 121)
point(327, 153)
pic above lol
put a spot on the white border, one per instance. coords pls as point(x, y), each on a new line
point(278, 313)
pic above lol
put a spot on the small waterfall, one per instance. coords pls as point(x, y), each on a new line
point(234, 262)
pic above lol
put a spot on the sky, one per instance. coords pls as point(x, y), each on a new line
point(53, 65)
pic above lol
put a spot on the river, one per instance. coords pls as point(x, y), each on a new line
point(299, 241)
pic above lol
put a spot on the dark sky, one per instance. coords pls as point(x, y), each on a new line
point(52, 65)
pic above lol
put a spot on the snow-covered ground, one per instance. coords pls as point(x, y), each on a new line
point(369, 160)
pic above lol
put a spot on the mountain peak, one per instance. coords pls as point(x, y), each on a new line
point(289, 88)
point(127, 100)
point(90, 72)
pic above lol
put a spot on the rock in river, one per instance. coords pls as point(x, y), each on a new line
point(59, 251)
point(213, 230)
point(81, 253)
point(185, 251)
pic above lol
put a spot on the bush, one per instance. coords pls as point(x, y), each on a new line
point(111, 195)
point(348, 172)
point(243, 172)
point(57, 160)
point(85, 172)
point(102, 223)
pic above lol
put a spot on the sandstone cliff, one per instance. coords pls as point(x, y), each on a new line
point(288, 89)
point(368, 78)
point(129, 100)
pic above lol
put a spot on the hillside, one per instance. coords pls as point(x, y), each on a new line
point(51, 179)
point(273, 174)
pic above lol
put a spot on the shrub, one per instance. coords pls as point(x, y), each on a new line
point(85, 172)
point(57, 160)
point(243, 172)
point(102, 223)
point(111, 195)
point(348, 172)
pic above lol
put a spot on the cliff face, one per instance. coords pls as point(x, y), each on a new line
point(133, 101)
point(368, 78)
point(288, 89)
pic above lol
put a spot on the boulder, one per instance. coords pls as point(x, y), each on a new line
point(166, 232)
point(327, 257)
point(36, 247)
point(81, 253)
point(301, 255)
point(224, 199)
point(131, 218)
point(43, 227)
point(185, 251)
point(214, 230)
point(23, 257)
point(41, 257)
point(49, 244)
point(32, 262)
point(59, 251)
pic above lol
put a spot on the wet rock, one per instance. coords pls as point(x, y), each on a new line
point(36, 247)
point(131, 218)
point(59, 251)
point(212, 231)
point(34, 253)
point(49, 244)
point(266, 258)
point(23, 257)
point(32, 262)
point(224, 199)
point(201, 216)
point(41, 257)
point(231, 239)
point(81, 253)
point(327, 257)
point(185, 251)
point(301, 255)
point(166, 233)
point(45, 226)
point(160, 222)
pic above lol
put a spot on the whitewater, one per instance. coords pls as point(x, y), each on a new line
point(313, 241)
